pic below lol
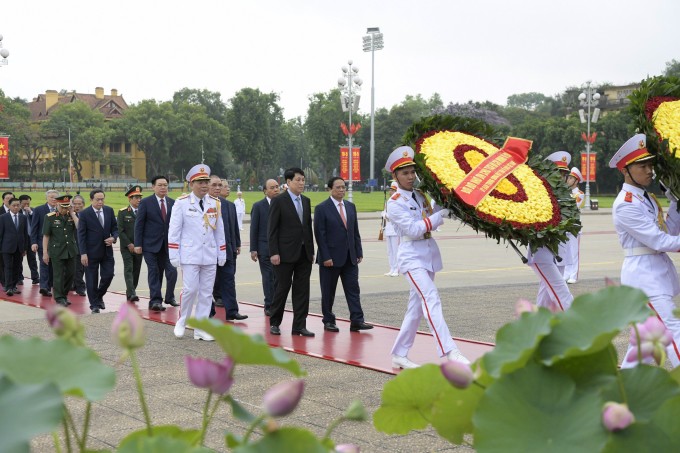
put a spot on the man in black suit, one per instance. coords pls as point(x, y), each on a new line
point(13, 244)
point(97, 232)
point(39, 214)
point(291, 249)
point(259, 243)
point(151, 241)
point(25, 202)
point(225, 280)
point(339, 253)
point(6, 197)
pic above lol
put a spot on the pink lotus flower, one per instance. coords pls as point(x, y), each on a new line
point(128, 328)
point(283, 398)
point(616, 416)
point(206, 374)
point(654, 337)
point(65, 324)
point(523, 306)
point(457, 373)
point(347, 448)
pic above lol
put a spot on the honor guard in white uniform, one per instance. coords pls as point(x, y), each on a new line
point(418, 259)
point(391, 238)
point(570, 251)
point(196, 242)
point(553, 292)
point(646, 236)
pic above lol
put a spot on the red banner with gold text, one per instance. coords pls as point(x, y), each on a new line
point(356, 163)
point(4, 157)
point(593, 166)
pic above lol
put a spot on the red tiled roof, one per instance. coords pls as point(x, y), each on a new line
point(109, 106)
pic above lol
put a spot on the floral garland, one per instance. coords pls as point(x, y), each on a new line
point(531, 206)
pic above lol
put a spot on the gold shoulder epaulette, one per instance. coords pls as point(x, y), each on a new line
point(52, 213)
point(395, 196)
point(123, 209)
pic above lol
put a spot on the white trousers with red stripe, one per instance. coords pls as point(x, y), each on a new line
point(423, 302)
point(197, 289)
point(663, 306)
point(553, 292)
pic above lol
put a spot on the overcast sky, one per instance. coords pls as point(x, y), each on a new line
point(464, 50)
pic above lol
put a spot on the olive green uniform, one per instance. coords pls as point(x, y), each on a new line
point(63, 252)
point(132, 262)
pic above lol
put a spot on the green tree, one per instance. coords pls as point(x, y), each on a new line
point(323, 133)
point(88, 130)
point(672, 68)
point(26, 145)
point(215, 108)
point(527, 101)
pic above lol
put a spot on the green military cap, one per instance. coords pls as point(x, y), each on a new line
point(134, 191)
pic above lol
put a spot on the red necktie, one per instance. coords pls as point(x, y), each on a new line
point(342, 215)
point(164, 213)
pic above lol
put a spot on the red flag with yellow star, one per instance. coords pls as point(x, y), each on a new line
point(4, 157)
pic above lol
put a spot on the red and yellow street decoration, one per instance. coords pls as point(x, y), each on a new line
point(356, 163)
point(4, 157)
point(506, 191)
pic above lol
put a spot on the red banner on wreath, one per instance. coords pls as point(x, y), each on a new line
point(4, 157)
point(356, 163)
point(593, 166)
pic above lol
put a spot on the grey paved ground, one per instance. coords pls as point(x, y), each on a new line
point(479, 287)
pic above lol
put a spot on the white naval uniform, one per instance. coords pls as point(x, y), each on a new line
point(392, 240)
point(553, 292)
point(240, 211)
point(570, 251)
point(418, 260)
point(199, 247)
point(646, 265)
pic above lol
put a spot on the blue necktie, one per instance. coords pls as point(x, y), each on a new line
point(298, 208)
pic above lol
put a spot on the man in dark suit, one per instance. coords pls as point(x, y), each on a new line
point(39, 214)
point(97, 232)
point(13, 243)
point(259, 243)
point(225, 283)
point(291, 249)
point(6, 197)
point(151, 241)
point(25, 202)
point(339, 253)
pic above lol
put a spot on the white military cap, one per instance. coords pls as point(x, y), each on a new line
point(561, 158)
point(576, 173)
point(634, 150)
point(198, 172)
point(400, 157)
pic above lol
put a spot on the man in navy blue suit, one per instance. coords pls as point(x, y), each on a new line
point(151, 240)
point(225, 284)
point(13, 244)
point(339, 253)
point(259, 243)
point(25, 202)
point(97, 232)
point(39, 214)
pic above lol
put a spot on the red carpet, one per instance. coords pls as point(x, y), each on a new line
point(367, 349)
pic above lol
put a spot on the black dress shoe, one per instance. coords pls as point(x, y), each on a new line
point(219, 303)
point(95, 310)
point(10, 293)
point(36, 282)
point(16, 291)
point(330, 327)
point(274, 330)
point(359, 326)
point(134, 298)
point(267, 312)
point(81, 293)
point(237, 317)
point(156, 307)
point(172, 302)
point(303, 332)
point(68, 302)
point(62, 302)
point(45, 292)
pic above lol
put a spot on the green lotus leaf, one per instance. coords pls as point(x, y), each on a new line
point(537, 409)
point(593, 321)
point(246, 349)
point(25, 411)
point(134, 440)
point(75, 370)
point(452, 412)
point(286, 439)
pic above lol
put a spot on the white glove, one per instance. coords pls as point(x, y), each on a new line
point(671, 197)
point(445, 213)
point(175, 262)
point(221, 262)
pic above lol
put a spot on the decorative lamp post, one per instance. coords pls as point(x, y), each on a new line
point(372, 42)
point(4, 53)
point(589, 98)
point(349, 85)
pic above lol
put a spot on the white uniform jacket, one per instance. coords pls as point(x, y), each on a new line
point(646, 266)
point(196, 236)
point(240, 205)
point(413, 222)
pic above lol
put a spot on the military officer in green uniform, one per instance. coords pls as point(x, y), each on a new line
point(132, 262)
point(59, 247)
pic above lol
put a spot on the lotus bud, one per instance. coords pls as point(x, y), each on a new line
point(65, 324)
point(206, 374)
point(523, 306)
point(356, 412)
point(616, 416)
point(128, 328)
point(283, 398)
point(457, 373)
point(347, 448)
point(646, 350)
point(656, 331)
